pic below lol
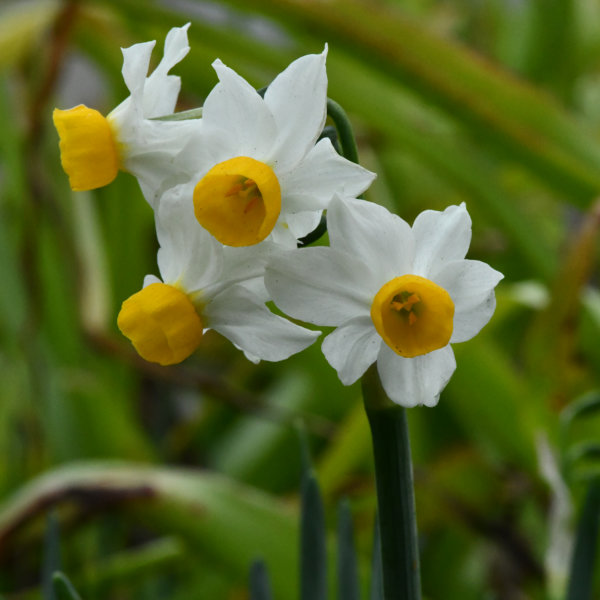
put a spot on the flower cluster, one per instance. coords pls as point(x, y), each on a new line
point(234, 191)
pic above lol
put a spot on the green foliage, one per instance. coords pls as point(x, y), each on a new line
point(495, 104)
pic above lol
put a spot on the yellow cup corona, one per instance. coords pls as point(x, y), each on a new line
point(162, 324)
point(238, 201)
point(88, 150)
point(413, 315)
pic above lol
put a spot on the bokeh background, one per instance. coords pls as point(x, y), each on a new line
point(167, 482)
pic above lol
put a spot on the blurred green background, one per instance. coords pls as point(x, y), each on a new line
point(167, 482)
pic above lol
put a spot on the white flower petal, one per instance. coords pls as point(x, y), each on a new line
point(239, 316)
point(440, 237)
point(161, 91)
point(188, 254)
point(382, 240)
point(470, 284)
point(150, 279)
point(320, 174)
point(160, 154)
point(319, 285)
point(283, 237)
point(415, 381)
point(243, 266)
point(235, 107)
point(297, 98)
point(136, 60)
point(352, 348)
point(303, 223)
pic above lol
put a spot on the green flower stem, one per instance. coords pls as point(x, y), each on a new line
point(395, 494)
point(344, 128)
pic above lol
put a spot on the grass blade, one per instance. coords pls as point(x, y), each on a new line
point(580, 585)
point(348, 586)
point(260, 587)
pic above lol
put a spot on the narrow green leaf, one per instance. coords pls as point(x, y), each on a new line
point(376, 588)
point(304, 451)
point(51, 560)
point(63, 588)
point(134, 564)
point(583, 451)
point(313, 551)
point(348, 585)
point(260, 587)
point(227, 522)
point(583, 406)
point(586, 546)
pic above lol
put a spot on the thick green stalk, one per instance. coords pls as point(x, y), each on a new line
point(395, 494)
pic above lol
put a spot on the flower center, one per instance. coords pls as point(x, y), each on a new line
point(162, 324)
point(413, 315)
point(238, 201)
point(88, 151)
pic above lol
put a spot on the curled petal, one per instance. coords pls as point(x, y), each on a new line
point(136, 60)
point(162, 89)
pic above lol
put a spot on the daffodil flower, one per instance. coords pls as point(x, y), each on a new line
point(262, 171)
point(94, 148)
point(397, 295)
point(204, 286)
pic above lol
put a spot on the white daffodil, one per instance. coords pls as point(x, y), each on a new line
point(204, 286)
point(93, 147)
point(397, 295)
point(260, 170)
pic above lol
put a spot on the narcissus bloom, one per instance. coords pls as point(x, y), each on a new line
point(204, 286)
point(397, 295)
point(261, 171)
point(93, 147)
